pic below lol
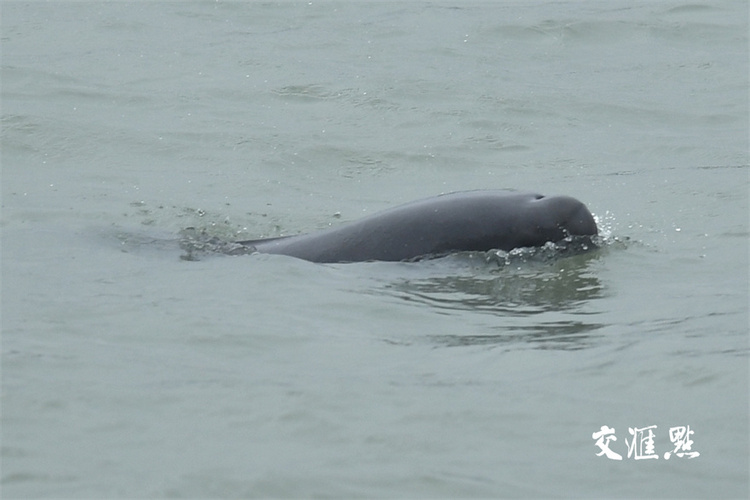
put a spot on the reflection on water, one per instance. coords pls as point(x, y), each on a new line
point(516, 283)
point(517, 292)
point(563, 335)
point(551, 284)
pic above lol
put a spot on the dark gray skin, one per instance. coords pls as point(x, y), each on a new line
point(463, 221)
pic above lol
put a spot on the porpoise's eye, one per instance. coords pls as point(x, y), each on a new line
point(538, 196)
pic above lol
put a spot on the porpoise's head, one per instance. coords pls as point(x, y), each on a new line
point(553, 218)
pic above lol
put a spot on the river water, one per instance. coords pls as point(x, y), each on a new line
point(134, 369)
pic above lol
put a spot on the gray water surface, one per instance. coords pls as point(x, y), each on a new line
point(129, 371)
